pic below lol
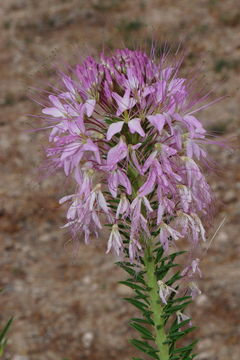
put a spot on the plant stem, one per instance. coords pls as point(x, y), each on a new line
point(155, 304)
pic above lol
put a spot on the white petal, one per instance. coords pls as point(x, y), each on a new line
point(102, 202)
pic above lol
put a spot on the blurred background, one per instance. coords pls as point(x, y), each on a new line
point(69, 306)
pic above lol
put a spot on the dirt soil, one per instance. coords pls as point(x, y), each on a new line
point(69, 306)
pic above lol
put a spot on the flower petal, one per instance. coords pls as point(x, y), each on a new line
point(90, 106)
point(55, 101)
point(117, 153)
point(158, 121)
point(52, 111)
point(124, 181)
point(149, 185)
point(135, 126)
point(114, 129)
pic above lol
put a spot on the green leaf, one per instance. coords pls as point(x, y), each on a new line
point(147, 334)
point(143, 296)
point(112, 207)
point(110, 121)
point(138, 304)
point(161, 271)
point(177, 326)
point(185, 348)
point(173, 279)
point(125, 234)
point(5, 329)
point(160, 252)
point(178, 334)
point(145, 321)
point(173, 309)
point(3, 333)
point(132, 285)
point(145, 347)
point(138, 281)
point(126, 268)
point(137, 276)
point(173, 256)
point(180, 299)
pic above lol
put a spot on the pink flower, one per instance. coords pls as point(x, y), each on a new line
point(133, 125)
point(192, 269)
point(139, 222)
point(183, 317)
point(115, 240)
point(59, 110)
point(125, 102)
point(191, 223)
point(118, 177)
point(123, 207)
point(72, 153)
point(194, 289)
point(158, 121)
point(123, 127)
point(97, 196)
point(135, 249)
point(117, 153)
point(149, 185)
point(164, 291)
point(167, 235)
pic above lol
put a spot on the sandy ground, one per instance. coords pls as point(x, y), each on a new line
point(69, 306)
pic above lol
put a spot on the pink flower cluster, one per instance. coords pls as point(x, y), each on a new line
point(123, 128)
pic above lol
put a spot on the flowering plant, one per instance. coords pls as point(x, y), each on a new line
point(124, 128)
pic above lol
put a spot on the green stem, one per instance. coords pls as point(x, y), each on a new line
point(155, 304)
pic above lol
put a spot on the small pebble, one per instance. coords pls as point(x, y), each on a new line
point(206, 355)
point(229, 196)
point(202, 300)
point(205, 344)
point(87, 339)
point(222, 237)
point(86, 280)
